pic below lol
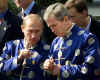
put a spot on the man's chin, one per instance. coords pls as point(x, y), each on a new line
point(33, 43)
point(60, 35)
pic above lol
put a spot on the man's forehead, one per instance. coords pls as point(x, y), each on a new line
point(51, 22)
point(34, 28)
point(32, 22)
point(72, 11)
point(68, 5)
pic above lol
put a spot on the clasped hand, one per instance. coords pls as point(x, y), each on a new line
point(24, 54)
point(50, 66)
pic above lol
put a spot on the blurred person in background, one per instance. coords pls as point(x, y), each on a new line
point(28, 6)
point(9, 28)
point(78, 12)
point(9, 25)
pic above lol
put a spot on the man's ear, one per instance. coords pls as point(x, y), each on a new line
point(22, 28)
point(85, 13)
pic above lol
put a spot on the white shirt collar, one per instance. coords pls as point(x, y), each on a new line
point(68, 33)
point(88, 26)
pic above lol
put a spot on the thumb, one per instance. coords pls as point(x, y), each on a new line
point(27, 45)
point(51, 60)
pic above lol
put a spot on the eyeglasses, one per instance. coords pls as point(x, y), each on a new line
point(71, 17)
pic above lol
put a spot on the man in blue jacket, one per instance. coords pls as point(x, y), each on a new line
point(22, 59)
point(74, 52)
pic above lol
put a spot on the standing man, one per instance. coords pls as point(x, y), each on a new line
point(23, 58)
point(9, 25)
point(78, 12)
point(74, 53)
point(28, 7)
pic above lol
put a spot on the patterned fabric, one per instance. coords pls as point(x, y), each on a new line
point(32, 70)
point(78, 54)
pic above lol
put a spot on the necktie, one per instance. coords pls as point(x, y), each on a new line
point(24, 14)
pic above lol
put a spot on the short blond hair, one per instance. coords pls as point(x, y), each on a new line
point(33, 17)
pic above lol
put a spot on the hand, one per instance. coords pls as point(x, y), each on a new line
point(56, 70)
point(49, 64)
point(24, 54)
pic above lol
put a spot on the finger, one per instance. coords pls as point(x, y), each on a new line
point(46, 63)
point(27, 45)
point(56, 70)
point(46, 67)
point(51, 60)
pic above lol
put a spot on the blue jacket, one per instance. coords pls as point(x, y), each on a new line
point(32, 70)
point(78, 55)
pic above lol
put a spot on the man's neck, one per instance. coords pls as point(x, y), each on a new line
point(87, 21)
point(71, 25)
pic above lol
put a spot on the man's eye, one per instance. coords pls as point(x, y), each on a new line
point(54, 25)
point(72, 16)
point(28, 32)
point(37, 31)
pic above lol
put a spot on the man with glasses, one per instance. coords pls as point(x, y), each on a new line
point(78, 11)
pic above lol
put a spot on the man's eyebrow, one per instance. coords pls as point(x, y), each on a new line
point(52, 25)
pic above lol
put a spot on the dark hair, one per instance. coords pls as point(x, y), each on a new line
point(80, 5)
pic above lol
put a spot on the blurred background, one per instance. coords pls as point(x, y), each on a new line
point(93, 5)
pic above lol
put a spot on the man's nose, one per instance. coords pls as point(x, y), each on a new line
point(52, 29)
point(33, 35)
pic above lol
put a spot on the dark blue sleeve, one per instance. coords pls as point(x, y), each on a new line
point(7, 61)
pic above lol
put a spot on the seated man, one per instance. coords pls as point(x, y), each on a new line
point(74, 53)
point(23, 58)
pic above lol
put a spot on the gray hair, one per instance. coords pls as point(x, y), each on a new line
point(56, 10)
